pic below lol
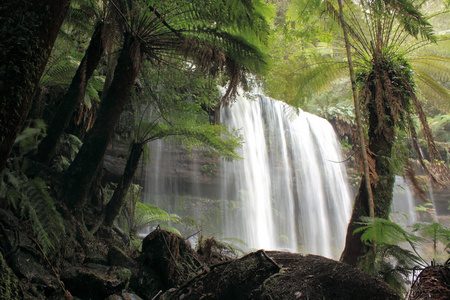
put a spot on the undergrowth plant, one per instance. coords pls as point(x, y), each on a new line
point(212, 248)
point(29, 197)
point(136, 216)
point(390, 259)
point(436, 233)
point(30, 200)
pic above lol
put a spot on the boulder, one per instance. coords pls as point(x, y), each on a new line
point(282, 275)
point(117, 257)
point(93, 281)
point(166, 261)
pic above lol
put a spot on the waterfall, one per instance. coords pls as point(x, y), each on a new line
point(291, 182)
point(403, 203)
point(289, 191)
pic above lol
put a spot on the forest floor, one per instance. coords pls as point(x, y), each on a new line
point(167, 267)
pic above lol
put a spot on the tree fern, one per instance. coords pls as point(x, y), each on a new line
point(151, 215)
point(437, 233)
point(136, 216)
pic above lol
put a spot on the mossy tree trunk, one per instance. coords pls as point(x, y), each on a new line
point(382, 196)
point(118, 199)
point(74, 94)
point(28, 30)
point(81, 173)
point(381, 143)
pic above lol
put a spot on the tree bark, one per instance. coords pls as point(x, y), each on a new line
point(357, 114)
point(118, 199)
point(74, 94)
point(381, 145)
point(81, 173)
point(28, 30)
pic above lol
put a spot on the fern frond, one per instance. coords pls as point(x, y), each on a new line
point(382, 231)
point(433, 91)
point(436, 231)
point(315, 76)
point(438, 67)
point(31, 201)
point(147, 214)
point(411, 19)
point(214, 137)
point(60, 69)
point(40, 208)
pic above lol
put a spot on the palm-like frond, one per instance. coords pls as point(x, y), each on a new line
point(430, 72)
point(201, 32)
point(314, 76)
point(437, 233)
point(382, 231)
point(213, 137)
point(410, 18)
point(147, 214)
point(433, 92)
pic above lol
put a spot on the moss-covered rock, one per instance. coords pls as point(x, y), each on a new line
point(93, 281)
point(118, 257)
point(282, 275)
point(166, 261)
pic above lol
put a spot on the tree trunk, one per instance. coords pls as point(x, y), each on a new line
point(81, 173)
point(28, 30)
point(118, 199)
point(380, 144)
point(74, 94)
point(357, 114)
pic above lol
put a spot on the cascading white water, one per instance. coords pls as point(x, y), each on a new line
point(403, 204)
point(292, 185)
point(290, 191)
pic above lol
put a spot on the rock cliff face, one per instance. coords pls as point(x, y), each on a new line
point(192, 173)
point(197, 174)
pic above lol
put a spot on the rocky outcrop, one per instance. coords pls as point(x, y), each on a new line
point(166, 261)
point(282, 275)
point(94, 281)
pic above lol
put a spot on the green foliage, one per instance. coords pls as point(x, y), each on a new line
point(181, 104)
point(9, 284)
point(67, 149)
point(437, 233)
point(387, 260)
point(381, 231)
point(211, 246)
point(29, 197)
point(146, 215)
point(61, 68)
point(28, 139)
point(31, 200)
point(136, 216)
point(440, 125)
point(392, 262)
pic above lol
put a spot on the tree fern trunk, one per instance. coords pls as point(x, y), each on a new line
point(74, 94)
point(381, 145)
point(28, 31)
point(81, 173)
point(118, 199)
